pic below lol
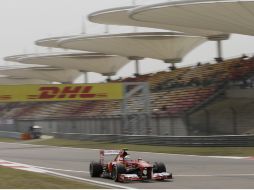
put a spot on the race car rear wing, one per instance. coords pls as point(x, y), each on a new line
point(104, 153)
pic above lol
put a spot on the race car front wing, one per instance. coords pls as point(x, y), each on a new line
point(162, 176)
point(135, 177)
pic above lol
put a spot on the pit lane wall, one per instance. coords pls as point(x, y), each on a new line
point(227, 140)
point(103, 125)
point(8, 134)
point(186, 141)
point(190, 141)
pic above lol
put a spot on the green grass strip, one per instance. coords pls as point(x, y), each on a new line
point(8, 140)
point(18, 179)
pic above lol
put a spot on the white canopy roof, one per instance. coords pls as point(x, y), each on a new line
point(232, 16)
point(50, 42)
point(120, 16)
point(167, 46)
point(43, 73)
point(88, 62)
point(20, 80)
point(54, 75)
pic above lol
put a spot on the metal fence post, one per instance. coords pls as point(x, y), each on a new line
point(157, 121)
point(187, 123)
point(147, 123)
point(139, 124)
point(158, 125)
point(102, 120)
point(234, 114)
point(172, 125)
point(122, 119)
point(207, 113)
point(114, 124)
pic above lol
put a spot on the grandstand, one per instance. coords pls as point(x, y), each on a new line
point(204, 99)
point(175, 95)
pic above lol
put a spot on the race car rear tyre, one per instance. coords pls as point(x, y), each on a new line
point(159, 167)
point(95, 169)
point(118, 169)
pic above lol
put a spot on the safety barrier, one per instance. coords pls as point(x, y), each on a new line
point(190, 141)
point(15, 135)
point(8, 134)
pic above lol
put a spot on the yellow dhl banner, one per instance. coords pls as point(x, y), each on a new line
point(60, 92)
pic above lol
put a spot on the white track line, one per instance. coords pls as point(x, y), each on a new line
point(56, 169)
point(39, 169)
point(180, 175)
point(214, 175)
point(19, 166)
point(91, 181)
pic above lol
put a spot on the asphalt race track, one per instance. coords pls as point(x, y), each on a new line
point(188, 171)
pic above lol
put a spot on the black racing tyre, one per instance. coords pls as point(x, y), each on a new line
point(117, 170)
point(159, 167)
point(95, 169)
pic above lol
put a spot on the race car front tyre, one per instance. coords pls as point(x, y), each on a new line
point(159, 167)
point(95, 169)
point(117, 170)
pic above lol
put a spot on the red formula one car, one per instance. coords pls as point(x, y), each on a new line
point(124, 169)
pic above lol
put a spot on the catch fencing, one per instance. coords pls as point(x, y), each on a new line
point(188, 141)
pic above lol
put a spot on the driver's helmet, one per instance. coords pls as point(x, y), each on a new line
point(127, 157)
